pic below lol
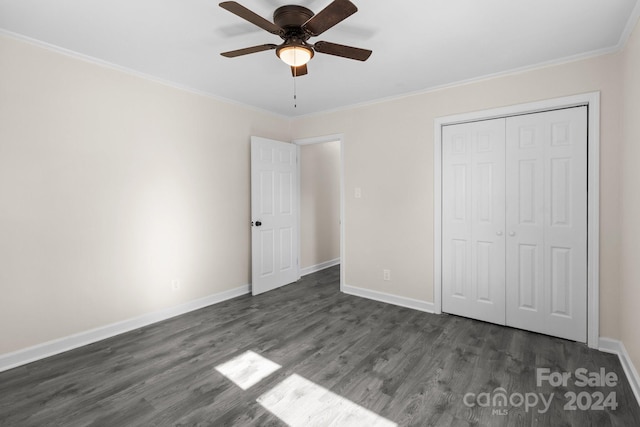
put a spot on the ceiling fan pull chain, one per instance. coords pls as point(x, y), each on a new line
point(295, 96)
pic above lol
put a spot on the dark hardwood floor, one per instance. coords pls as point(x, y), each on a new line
point(409, 367)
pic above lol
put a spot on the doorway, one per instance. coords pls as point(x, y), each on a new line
point(320, 174)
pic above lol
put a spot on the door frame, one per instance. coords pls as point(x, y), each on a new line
point(592, 101)
point(319, 140)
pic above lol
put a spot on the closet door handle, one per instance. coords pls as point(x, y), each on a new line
point(498, 233)
point(512, 233)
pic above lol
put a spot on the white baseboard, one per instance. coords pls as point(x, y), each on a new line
point(50, 348)
point(609, 345)
point(318, 267)
point(414, 304)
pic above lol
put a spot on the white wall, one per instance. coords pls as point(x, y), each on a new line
point(319, 203)
point(388, 152)
point(111, 186)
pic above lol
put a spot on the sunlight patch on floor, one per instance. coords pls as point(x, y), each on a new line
point(300, 402)
point(247, 369)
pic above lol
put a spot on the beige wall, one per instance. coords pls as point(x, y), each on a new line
point(388, 152)
point(319, 203)
point(630, 201)
point(111, 186)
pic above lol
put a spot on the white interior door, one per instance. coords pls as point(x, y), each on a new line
point(473, 220)
point(547, 223)
point(274, 214)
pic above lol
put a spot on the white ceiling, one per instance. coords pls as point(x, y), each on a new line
point(417, 44)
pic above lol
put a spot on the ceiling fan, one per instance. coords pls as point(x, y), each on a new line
point(296, 25)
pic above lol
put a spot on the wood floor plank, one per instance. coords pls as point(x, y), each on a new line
point(409, 367)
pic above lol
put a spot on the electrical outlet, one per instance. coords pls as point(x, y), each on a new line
point(357, 193)
point(386, 275)
point(175, 284)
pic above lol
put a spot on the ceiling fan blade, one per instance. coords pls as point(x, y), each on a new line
point(248, 50)
point(299, 71)
point(254, 18)
point(337, 11)
point(342, 50)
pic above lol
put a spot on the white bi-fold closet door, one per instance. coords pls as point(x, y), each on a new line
point(514, 221)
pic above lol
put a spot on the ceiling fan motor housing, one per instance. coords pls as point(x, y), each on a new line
point(291, 17)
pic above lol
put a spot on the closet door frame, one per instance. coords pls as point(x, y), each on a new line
point(592, 101)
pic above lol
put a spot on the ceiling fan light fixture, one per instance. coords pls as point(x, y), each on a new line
point(295, 55)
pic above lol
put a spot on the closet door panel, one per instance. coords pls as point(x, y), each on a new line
point(546, 206)
point(473, 220)
point(525, 217)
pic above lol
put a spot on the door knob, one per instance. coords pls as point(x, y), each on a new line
point(512, 233)
point(499, 233)
point(258, 223)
